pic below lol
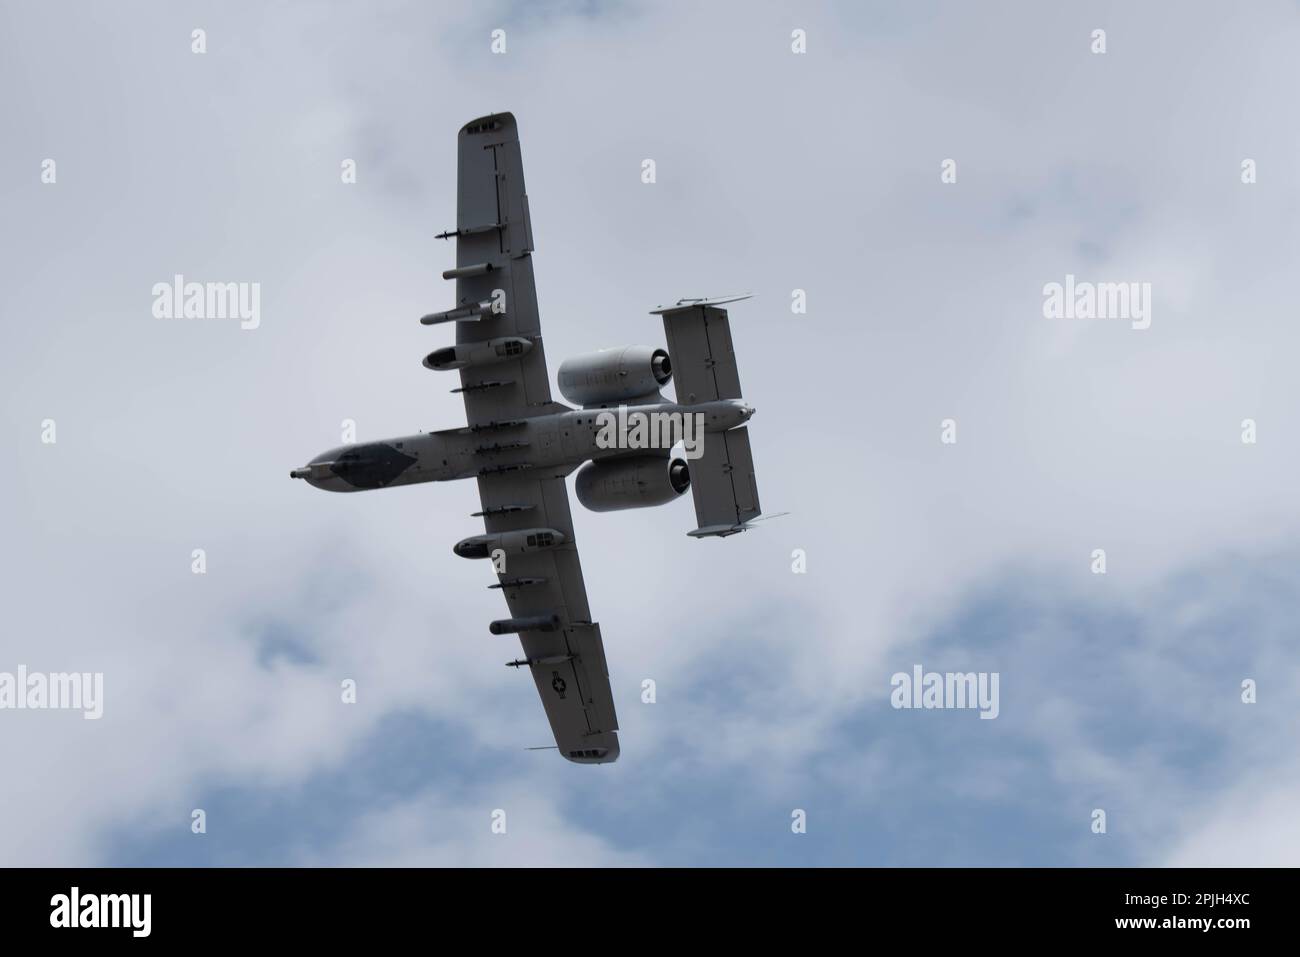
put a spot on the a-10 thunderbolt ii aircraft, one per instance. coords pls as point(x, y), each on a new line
point(519, 444)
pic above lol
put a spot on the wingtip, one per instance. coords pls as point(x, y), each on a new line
point(598, 749)
point(707, 301)
point(718, 531)
point(491, 123)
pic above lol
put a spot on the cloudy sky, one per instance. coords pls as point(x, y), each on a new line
point(776, 171)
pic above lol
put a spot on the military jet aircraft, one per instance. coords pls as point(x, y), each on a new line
point(520, 445)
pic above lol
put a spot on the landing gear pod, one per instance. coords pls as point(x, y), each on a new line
point(467, 354)
point(512, 543)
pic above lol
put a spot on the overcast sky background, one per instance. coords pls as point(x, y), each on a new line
point(776, 172)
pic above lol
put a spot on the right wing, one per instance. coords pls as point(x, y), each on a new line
point(568, 664)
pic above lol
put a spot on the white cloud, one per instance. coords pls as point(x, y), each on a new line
point(1254, 826)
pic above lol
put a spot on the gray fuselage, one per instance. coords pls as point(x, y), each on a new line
point(556, 441)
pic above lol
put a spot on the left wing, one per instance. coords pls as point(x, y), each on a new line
point(568, 663)
point(495, 293)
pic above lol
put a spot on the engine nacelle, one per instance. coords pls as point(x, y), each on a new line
point(512, 543)
point(614, 375)
point(477, 353)
point(634, 482)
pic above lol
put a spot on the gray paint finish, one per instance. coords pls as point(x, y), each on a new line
point(520, 445)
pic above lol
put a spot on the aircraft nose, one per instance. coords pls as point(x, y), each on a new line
point(318, 473)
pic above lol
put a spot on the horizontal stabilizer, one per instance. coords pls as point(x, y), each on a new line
point(723, 484)
point(704, 361)
point(691, 303)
